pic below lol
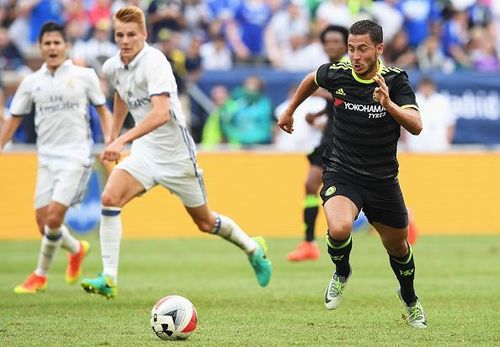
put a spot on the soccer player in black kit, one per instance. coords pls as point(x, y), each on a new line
point(360, 168)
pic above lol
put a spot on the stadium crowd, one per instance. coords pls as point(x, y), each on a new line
point(201, 35)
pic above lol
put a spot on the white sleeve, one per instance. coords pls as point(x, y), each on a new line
point(22, 103)
point(107, 71)
point(159, 76)
point(94, 91)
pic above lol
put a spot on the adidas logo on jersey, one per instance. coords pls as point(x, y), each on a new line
point(340, 91)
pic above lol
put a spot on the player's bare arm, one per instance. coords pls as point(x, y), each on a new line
point(323, 93)
point(311, 117)
point(8, 129)
point(306, 88)
point(158, 116)
point(106, 122)
point(120, 112)
point(408, 118)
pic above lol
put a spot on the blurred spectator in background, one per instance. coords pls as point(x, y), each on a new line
point(300, 55)
point(97, 49)
point(398, 52)
point(39, 12)
point(482, 52)
point(215, 54)
point(196, 15)
point(333, 12)
point(306, 136)
point(389, 16)
point(99, 11)
point(285, 25)
point(193, 60)
point(165, 14)
point(221, 9)
point(430, 56)
point(248, 120)
point(8, 12)
point(420, 19)
point(212, 133)
point(455, 37)
point(78, 21)
point(437, 118)
point(246, 30)
point(11, 57)
point(169, 45)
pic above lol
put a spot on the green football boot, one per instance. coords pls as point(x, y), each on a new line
point(102, 285)
point(261, 265)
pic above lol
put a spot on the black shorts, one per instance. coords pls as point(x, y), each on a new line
point(315, 157)
point(382, 202)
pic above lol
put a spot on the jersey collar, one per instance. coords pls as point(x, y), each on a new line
point(379, 71)
point(66, 63)
point(136, 58)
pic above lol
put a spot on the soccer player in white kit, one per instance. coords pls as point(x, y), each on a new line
point(162, 152)
point(60, 93)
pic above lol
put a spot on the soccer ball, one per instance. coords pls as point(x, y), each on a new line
point(173, 318)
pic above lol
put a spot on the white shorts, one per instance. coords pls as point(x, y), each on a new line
point(61, 181)
point(183, 178)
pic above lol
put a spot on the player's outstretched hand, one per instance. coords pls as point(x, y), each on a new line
point(285, 122)
point(112, 151)
point(381, 93)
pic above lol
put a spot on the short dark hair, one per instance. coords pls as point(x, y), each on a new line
point(335, 28)
point(367, 26)
point(50, 27)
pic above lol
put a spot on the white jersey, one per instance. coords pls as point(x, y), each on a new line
point(437, 118)
point(61, 103)
point(147, 75)
point(305, 136)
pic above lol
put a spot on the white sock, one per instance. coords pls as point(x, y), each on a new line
point(110, 234)
point(226, 228)
point(69, 243)
point(51, 241)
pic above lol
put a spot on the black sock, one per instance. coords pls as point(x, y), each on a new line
point(339, 251)
point(404, 269)
point(311, 207)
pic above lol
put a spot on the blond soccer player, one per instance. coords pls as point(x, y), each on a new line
point(162, 153)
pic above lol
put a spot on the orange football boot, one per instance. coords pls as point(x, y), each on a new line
point(305, 251)
point(34, 283)
point(74, 268)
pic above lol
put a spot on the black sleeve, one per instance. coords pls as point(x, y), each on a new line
point(322, 75)
point(401, 92)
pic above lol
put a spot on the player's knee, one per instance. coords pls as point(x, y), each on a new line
point(110, 199)
point(312, 187)
point(54, 221)
point(340, 230)
point(399, 249)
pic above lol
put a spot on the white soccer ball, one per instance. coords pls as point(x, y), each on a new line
point(173, 318)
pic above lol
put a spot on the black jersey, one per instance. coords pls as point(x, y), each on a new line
point(364, 135)
point(328, 130)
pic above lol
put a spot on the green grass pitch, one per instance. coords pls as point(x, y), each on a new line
point(458, 281)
